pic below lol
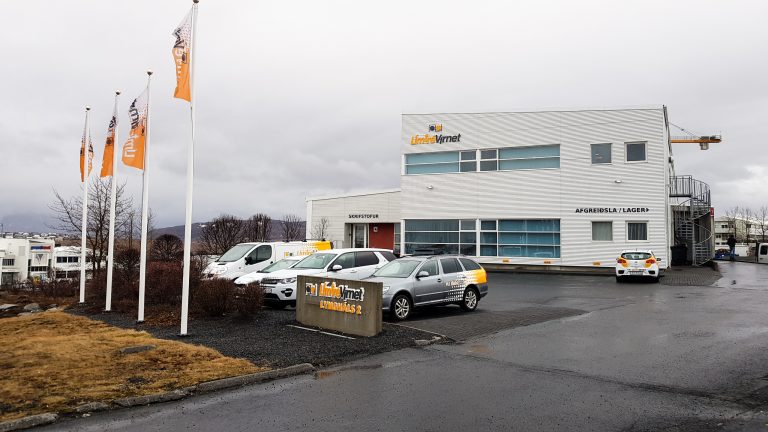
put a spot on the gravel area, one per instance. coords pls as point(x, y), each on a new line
point(268, 340)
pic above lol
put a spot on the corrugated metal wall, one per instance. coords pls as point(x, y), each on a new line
point(338, 210)
point(550, 193)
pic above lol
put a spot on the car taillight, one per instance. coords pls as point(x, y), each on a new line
point(621, 261)
point(650, 261)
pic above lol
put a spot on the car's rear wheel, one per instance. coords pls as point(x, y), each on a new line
point(470, 299)
point(402, 306)
point(619, 279)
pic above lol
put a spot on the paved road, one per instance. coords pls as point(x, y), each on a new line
point(644, 357)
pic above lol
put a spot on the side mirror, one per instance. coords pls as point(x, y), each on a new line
point(248, 261)
point(336, 267)
point(422, 274)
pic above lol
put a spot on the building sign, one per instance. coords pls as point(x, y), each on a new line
point(348, 306)
point(613, 210)
point(363, 216)
point(45, 247)
point(434, 138)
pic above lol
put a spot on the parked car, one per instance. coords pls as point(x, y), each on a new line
point(280, 286)
point(430, 280)
point(762, 253)
point(258, 275)
point(246, 258)
point(637, 263)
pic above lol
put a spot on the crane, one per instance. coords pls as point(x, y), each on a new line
point(702, 140)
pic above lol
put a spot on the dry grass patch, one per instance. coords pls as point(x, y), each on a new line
point(53, 361)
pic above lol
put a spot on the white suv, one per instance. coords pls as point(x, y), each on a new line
point(280, 286)
point(637, 263)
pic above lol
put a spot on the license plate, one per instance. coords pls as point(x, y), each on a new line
point(635, 272)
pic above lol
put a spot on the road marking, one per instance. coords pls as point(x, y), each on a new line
point(319, 331)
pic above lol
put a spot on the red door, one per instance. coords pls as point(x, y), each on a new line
point(381, 235)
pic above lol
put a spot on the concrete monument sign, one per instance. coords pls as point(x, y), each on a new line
point(347, 306)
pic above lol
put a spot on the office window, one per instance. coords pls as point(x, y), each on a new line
point(443, 235)
point(468, 161)
point(601, 153)
point(636, 152)
point(9, 261)
point(432, 163)
point(396, 250)
point(637, 231)
point(518, 158)
point(602, 231)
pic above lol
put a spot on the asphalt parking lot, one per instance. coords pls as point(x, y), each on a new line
point(641, 357)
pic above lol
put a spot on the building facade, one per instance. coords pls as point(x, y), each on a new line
point(555, 188)
point(23, 259)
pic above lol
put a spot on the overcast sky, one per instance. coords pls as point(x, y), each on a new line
point(303, 98)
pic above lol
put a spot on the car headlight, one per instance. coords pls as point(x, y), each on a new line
point(289, 280)
point(386, 288)
point(218, 270)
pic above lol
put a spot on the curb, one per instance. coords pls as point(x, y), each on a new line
point(209, 386)
point(28, 422)
point(150, 399)
point(239, 381)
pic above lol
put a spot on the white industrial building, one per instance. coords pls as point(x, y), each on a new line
point(566, 188)
point(23, 259)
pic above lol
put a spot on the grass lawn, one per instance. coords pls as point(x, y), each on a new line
point(53, 362)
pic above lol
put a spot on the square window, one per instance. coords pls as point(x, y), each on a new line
point(488, 225)
point(468, 155)
point(468, 166)
point(488, 154)
point(488, 165)
point(636, 152)
point(602, 231)
point(468, 225)
point(601, 153)
point(637, 231)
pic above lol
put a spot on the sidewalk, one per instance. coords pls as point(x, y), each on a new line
point(690, 276)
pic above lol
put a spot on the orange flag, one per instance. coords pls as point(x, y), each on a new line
point(86, 138)
point(109, 147)
point(133, 149)
point(182, 49)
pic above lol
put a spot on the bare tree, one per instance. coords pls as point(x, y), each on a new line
point(220, 234)
point(732, 217)
point(258, 227)
point(292, 227)
point(167, 247)
point(68, 214)
point(761, 222)
point(320, 229)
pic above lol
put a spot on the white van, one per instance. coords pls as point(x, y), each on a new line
point(246, 258)
point(762, 253)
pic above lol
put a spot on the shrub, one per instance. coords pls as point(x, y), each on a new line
point(214, 297)
point(249, 299)
point(61, 288)
point(164, 282)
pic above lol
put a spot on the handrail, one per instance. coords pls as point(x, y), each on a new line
point(687, 186)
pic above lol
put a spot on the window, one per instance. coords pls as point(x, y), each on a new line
point(636, 152)
point(38, 269)
point(763, 249)
point(9, 261)
point(365, 259)
point(439, 234)
point(61, 259)
point(432, 163)
point(450, 265)
point(396, 249)
point(469, 264)
point(389, 256)
point(261, 253)
point(637, 231)
point(535, 238)
point(346, 261)
point(430, 267)
point(601, 153)
point(602, 231)
point(468, 163)
point(516, 158)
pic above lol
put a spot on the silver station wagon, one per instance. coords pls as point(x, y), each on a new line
point(430, 280)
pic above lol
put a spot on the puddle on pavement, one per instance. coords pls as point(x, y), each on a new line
point(323, 374)
point(479, 349)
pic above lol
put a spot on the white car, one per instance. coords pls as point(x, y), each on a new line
point(280, 286)
point(258, 275)
point(637, 263)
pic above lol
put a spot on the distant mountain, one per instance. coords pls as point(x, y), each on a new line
point(276, 230)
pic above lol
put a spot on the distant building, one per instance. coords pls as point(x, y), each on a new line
point(22, 259)
point(67, 262)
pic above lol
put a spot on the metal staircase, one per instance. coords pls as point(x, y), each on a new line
point(692, 218)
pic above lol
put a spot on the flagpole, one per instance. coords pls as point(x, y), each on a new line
point(190, 177)
point(84, 233)
point(112, 208)
point(144, 212)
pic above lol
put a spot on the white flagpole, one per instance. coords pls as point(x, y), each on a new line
point(111, 251)
point(86, 174)
point(190, 177)
point(144, 211)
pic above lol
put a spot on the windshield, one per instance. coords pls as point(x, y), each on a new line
point(398, 269)
point(235, 253)
point(282, 264)
point(315, 261)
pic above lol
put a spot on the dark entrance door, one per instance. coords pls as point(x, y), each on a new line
point(381, 235)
